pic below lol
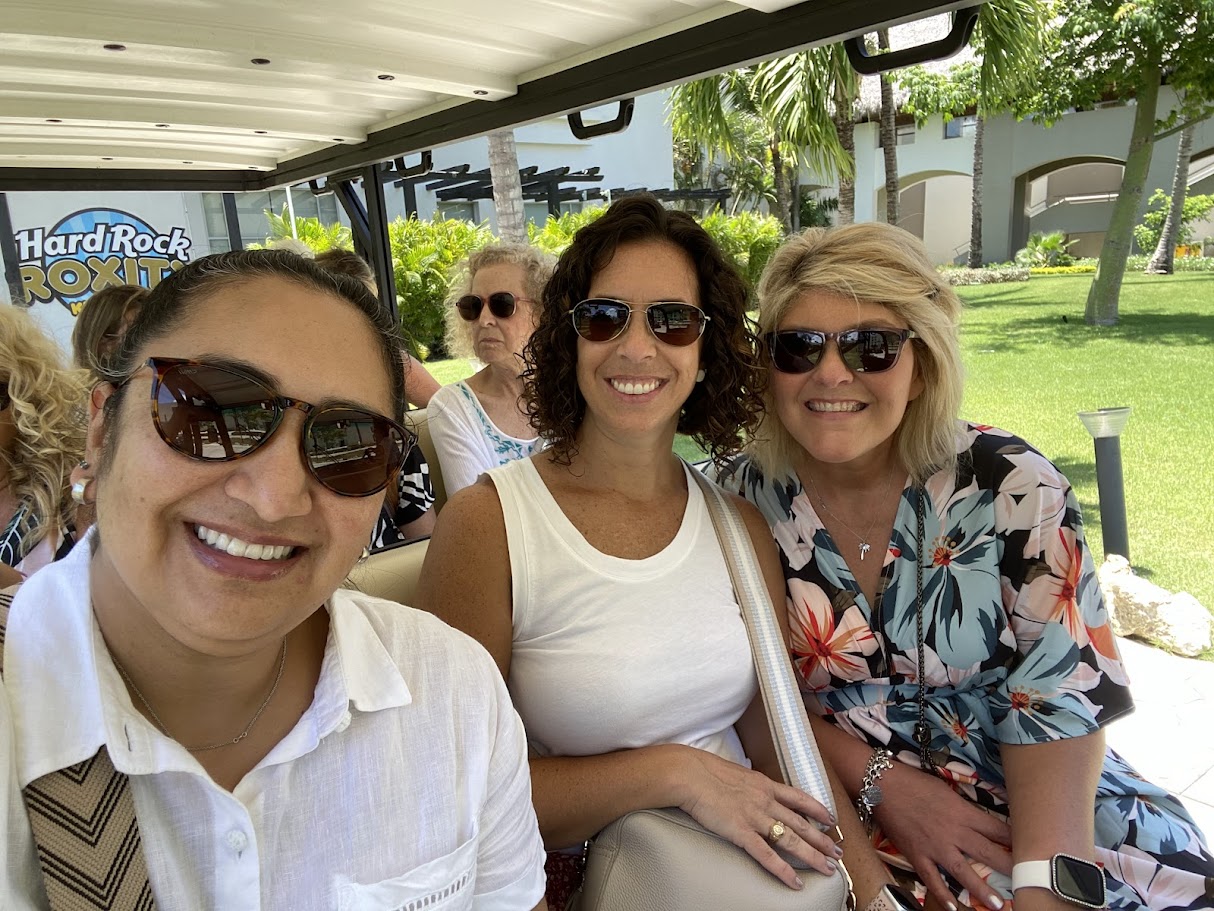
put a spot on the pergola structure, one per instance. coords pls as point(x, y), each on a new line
point(227, 97)
point(462, 183)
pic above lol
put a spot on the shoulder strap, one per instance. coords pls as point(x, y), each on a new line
point(800, 762)
point(83, 820)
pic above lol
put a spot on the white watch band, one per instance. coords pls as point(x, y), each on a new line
point(1032, 874)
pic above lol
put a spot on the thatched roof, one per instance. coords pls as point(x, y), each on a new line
point(908, 35)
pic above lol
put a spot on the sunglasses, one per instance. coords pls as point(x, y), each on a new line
point(862, 350)
point(602, 319)
point(501, 304)
point(220, 414)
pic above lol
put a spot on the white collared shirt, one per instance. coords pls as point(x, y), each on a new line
point(405, 779)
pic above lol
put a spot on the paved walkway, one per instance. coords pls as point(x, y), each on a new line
point(1169, 738)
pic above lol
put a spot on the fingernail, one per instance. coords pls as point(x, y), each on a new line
point(799, 883)
point(838, 851)
point(951, 907)
point(995, 902)
point(834, 820)
point(834, 868)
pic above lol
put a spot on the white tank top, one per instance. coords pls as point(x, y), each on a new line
point(614, 654)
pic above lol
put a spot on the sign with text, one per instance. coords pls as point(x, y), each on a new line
point(91, 249)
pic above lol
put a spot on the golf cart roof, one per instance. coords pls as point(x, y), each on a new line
point(230, 95)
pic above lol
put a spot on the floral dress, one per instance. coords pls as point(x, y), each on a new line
point(1017, 649)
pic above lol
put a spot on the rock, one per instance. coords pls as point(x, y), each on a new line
point(1137, 607)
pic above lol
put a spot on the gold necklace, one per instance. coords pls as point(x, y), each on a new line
point(282, 662)
point(865, 547)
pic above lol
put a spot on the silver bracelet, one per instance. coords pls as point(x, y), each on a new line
point(870, 791)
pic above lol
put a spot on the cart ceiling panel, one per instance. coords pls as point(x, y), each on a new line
point(250, 89)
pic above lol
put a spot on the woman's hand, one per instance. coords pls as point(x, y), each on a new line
point(935, 827)
point(741, 805)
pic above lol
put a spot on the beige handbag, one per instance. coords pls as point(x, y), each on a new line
point(662, 859)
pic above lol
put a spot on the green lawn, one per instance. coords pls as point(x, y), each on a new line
point(1032, 364)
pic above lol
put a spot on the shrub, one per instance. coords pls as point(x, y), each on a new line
point(557, 233)
point(423, 253)
point(991, 275)
point(746, 238)
point(1046, 250)
point(317, 237)
point(1077, 269)
point(1195, 208)
point(1138, 263)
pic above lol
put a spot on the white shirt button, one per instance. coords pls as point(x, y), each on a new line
point(343, 722)
point(237, 840)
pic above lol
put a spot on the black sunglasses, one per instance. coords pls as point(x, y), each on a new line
point(219, 414)
point(602, 319)
point(862, 350)
point(501, 304)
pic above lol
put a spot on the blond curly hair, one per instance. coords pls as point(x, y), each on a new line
point(48, 412)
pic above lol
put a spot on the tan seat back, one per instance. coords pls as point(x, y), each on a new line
point(417, 421)
point(391, 573)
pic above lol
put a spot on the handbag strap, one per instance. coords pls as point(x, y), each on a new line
point(800, 761)
point(84, 825)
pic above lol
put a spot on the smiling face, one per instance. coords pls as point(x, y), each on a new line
point(501, 341)
point(636, 384)
point(839, 416)
point(157, 509)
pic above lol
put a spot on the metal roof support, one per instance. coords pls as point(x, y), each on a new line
point(231, 220)
point(379, 247)
point(8, 252)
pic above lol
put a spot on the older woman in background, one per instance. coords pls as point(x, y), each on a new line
point(479, 423)
point(41, 437)
point(946, 619)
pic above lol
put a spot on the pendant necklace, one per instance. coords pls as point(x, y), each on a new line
point(282, 662)
point(865, 547)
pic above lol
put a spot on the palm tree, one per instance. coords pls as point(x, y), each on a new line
point(889, 137)
point(790, 97)
point(1162, 261)
point(507, 188)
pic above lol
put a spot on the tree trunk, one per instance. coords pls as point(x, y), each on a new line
point(1101, 309)
point(507, 188)
point(975, 256)
point(1162, 263)
point(783, 196)
point(845, 127)
point(889, 138)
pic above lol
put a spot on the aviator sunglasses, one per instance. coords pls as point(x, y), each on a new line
point(862, 350)
point(220, 414)
point(602, 319)
point(500, 303)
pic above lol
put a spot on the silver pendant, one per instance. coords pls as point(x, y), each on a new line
point(865, 547)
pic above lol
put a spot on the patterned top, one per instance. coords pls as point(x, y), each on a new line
point(1017, 644)
point(414, 497)
point(16, 549)
point(467, 441)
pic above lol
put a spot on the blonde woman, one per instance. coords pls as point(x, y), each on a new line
point(480, 423)
point(41, 439)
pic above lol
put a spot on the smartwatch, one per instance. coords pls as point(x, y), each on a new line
point(1072, 879)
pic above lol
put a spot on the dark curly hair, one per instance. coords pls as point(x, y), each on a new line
point(723, 409)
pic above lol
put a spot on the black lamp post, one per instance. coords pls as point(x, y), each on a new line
point(1105, 426)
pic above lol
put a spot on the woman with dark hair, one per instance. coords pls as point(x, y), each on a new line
point(251, 733)
point(602, 591)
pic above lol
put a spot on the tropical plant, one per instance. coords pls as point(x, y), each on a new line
point(309, 231)
point(507, 187)
point(816, 211)
point(749, 240)
point(1008, 42)
point(889, 138)
point(557, 232)
point(1046, 250)
point(423, 254)
point(1162, 261)
point(1111, 48)
point(1148, 234)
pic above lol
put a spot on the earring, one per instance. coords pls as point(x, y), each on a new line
point(84, 465)
point(79, 490)
point(700, 374)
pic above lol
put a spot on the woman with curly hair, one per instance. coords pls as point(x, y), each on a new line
point(41, 438)
point(602, 592)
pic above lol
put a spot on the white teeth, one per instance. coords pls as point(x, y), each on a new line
point(835, 406)
point(629, 388)
point(239, 548)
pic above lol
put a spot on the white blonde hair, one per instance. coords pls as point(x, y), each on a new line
point(535, 264)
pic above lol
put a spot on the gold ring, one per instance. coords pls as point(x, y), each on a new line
point(775, 832)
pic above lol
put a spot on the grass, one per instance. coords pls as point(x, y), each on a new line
point(1032, 364)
